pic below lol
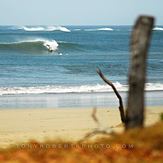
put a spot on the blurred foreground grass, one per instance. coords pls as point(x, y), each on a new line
point(137, 145)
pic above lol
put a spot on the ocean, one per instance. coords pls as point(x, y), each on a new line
point(55, 66)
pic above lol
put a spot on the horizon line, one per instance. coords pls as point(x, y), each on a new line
point(72, 25)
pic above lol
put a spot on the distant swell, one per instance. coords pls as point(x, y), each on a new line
point(72, 89)
point(39, 45)
point(43, 28)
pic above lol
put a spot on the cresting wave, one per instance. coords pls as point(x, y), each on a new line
point(158, 29)
point(39, 45)
point(30, 45)
point(100, 29)
point(105, 29)
point(73, 89)
point(46, 29)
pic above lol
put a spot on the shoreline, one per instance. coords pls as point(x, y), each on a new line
point(21, 125)
point(73, 100)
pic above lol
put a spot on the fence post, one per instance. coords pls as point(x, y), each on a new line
point(137, 73)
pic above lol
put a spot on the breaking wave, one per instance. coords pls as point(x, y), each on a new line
point(44, 28)
point(73, 89)
point(40, 45)
point(30, 45)
point(158, 29)
point(105, 29)
point(99, 29)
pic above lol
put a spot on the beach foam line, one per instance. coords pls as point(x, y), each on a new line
point(56, 89)
point(53, 89)
point(44, 28)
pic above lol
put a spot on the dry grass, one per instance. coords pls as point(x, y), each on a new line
point(137, 145)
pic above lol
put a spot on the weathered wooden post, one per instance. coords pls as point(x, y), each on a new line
point(137, 74)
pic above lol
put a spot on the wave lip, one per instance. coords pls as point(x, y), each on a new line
point(45, 29)
point(158, 29)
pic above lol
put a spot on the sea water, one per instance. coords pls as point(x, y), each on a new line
point(55, 66)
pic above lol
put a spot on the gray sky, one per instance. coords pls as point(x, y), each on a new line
point(77, 12)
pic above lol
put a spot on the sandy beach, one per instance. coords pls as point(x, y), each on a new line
point(22, 125)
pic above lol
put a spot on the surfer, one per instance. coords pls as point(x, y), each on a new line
point(49, 48)
point(51, 45)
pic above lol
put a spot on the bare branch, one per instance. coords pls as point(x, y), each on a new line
point(94, 116)
point(107, 132)
point(121, 109)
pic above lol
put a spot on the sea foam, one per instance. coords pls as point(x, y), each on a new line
point(54, 89)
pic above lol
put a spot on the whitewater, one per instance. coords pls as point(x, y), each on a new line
point(53, 89)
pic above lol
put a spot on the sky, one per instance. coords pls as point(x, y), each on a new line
point(77, 12)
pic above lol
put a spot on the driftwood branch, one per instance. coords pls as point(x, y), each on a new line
point(121, 109)
point(95, 133)
point(94, 116)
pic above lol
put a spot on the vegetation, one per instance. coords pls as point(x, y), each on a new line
point(135, 145)
point(161, 116)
